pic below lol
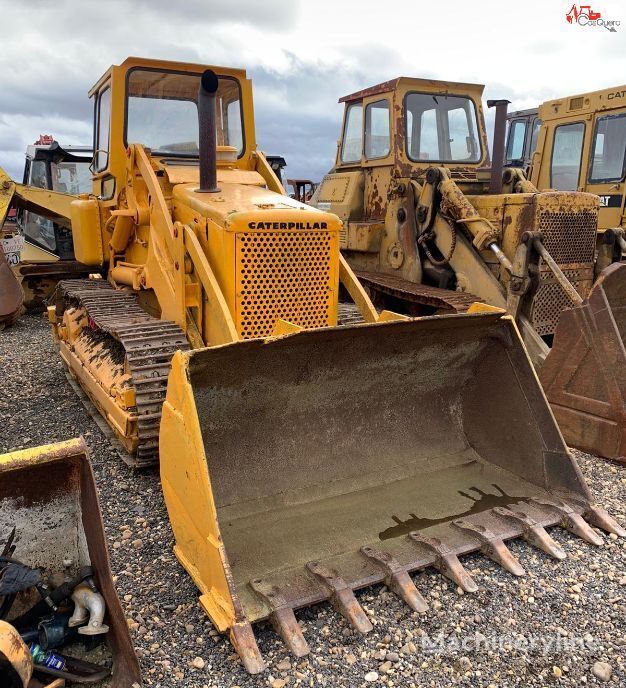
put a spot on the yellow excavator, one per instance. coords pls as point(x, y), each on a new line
point(430, 225)
point(302, 456)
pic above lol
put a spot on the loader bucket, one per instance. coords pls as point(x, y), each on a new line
point(48, 499)
point(11, 294)
point(584, 376)
point(299, 469)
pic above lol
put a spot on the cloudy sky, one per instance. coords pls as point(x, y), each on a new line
point(302, 56)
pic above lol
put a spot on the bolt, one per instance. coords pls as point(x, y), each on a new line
point(176, 232)
point(176, 265)
point(6, 185)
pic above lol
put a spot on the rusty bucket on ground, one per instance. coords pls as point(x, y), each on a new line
point(11, 294)
point(584, 376)
point(48, 495)
point(299, 469)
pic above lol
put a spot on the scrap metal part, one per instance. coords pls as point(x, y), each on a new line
point(48, 495)
point(584, 376)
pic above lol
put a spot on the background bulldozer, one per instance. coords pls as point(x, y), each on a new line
point(301, 458)
point(578, 143)
point(428, 227)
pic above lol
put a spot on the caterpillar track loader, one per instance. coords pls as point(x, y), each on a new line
point(582, 148)
point(428, 227)
point(302, 456)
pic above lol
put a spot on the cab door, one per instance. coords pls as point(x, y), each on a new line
point(607, 166)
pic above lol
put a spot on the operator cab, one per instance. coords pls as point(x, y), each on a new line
point(155, 104)
point(59, 168)
point(413, 123)
point(522, 135)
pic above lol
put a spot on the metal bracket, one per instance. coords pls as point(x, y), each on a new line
point(570, 520)
point(446, 562)
point(532, 532)
point(600, 518)
point(282, 617)
point(397, 578)
point(492, 546)
point(341, 596)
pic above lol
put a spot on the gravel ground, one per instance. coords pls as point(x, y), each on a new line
point(549, 627)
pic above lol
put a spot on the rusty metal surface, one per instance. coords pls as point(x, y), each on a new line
point(26, 476)
point(149, 344)
point(11, 295)
point(569, 235)
point(423, 294)
point(361, 457)
point(584, 375)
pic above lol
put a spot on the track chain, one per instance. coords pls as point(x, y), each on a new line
point(149, 344)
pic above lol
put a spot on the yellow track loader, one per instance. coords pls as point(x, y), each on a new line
point(429, 227)
point(52, 544)
point(301, 457)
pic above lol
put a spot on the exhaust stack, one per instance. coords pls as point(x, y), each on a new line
point(497, 159)
point(207, 132)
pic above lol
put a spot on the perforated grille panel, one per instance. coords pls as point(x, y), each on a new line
point(570, 237)
point(550, 299)
point(284, 275)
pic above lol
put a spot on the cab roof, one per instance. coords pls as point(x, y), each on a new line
point(131, 62)
point(455, 87)
point(584, 103)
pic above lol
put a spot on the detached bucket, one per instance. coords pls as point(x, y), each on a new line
point(302, 468)
point(584, 375)
point(11, 294)
point(49, 511)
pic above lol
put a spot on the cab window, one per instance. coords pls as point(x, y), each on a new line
point(102, 130)
point(36, 228)
point(566, 156)
point(162, 112)
point(442, 128)
point(515, 144)
point(534, 135)
point(353, 134)
point(608, 160)
point(377, 130)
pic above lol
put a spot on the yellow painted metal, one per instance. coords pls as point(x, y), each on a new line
point(7, 189)
point(14, 651)
point(86, 233)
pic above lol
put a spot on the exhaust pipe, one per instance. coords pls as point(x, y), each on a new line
point(90, 609)
point(499, 132)
point(207, 132)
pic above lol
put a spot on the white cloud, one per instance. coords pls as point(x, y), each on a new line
point(301, 55)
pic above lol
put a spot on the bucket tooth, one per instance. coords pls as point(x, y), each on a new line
point(397, 578)
point(282, 617)
point(570, 520)
point(599, 517)
point(492, 546)
point(341, 596)
point(533, 532)
point(446, 561)
point(244, 642)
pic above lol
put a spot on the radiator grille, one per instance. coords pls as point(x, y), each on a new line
point(570, 237)
point(283, 275)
